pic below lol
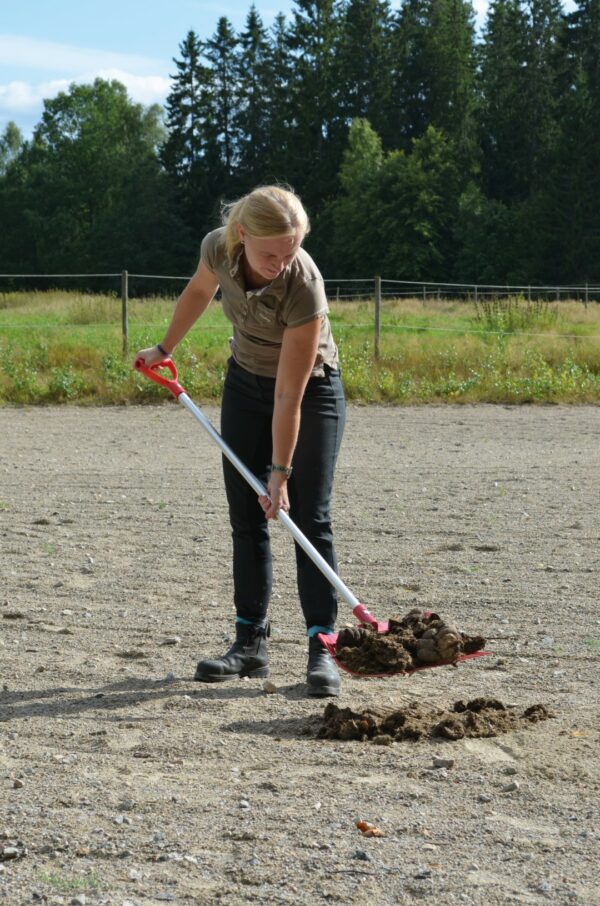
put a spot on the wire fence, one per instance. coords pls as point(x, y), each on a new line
point(338, 289)
point(345, 289)
point(375, 290)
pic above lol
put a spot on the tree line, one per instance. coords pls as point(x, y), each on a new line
point(422, 149)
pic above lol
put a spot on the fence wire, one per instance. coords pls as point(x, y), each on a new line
point(375, 291)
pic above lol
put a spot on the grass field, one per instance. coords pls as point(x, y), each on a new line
point(67, 347)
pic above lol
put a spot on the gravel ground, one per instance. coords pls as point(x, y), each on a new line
point(124, 782)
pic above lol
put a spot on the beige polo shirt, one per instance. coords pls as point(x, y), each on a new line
point(260, 316)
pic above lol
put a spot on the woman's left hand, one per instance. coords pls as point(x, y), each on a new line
point(278, 496)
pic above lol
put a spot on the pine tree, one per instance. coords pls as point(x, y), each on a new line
point(563, 217)
point(251, 120)
point(186, 110)
point(409, 108)
point(185, 153)
point(584, 44)
point(452, 66)
point(434, 75)
point(220, 51)
point(317, 132)
point(364, 63)
point(505, 105)
point(279, 104)
point(545, 25)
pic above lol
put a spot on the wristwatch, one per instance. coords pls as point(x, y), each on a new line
point(287, 470)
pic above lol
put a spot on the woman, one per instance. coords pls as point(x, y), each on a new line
point(282, 413)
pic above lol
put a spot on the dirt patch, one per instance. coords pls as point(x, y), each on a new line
point(420, 639)
point(480, 717)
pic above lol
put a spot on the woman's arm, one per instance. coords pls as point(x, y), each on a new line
point(193, 301)
point(297, 359)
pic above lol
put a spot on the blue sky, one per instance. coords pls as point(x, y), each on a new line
point(47, 44)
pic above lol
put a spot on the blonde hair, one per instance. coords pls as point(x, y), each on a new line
point(266, 212)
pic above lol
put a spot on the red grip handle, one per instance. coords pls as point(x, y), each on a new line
point(152, 372)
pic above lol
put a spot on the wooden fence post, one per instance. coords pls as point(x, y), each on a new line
point(124, 310)
point(377, 315)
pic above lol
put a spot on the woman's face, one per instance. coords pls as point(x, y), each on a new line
point(269, 257)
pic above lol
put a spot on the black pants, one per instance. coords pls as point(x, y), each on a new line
point(246, 426)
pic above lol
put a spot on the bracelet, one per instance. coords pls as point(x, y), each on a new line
point(287, 470)
point(163, 351)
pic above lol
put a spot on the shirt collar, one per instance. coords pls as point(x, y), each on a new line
point(235, 271)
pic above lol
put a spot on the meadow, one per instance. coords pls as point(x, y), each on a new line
point(60, 347)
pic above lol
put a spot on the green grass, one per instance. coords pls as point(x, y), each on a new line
point(59, 347)
point(69, 883)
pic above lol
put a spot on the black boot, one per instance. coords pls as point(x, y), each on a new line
point(322, 675)
point(247, 656)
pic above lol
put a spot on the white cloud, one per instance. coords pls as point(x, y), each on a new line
point(30, 53)
point(148, 89)
point(22, 96)
point(25, 97)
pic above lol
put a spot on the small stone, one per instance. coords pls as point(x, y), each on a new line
point(18, 784)
point(170, 677)
point(544, 887)
point(362, 854)
point(383, 740)
point(171, 640)
point(443, 762)
point(243, 803)
point(269, 688)
point(134, 874)
point(511, 787)
point(510, 770)
point(79, 900)
point(484, 797)
point(10, 853)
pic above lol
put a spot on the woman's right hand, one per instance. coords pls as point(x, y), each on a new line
point(150, 356)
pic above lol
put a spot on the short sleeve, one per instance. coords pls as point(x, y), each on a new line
point(208, 249)
point(307, 303)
